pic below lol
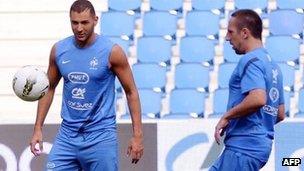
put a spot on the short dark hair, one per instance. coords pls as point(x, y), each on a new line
point(247, 18)
point(82, 5)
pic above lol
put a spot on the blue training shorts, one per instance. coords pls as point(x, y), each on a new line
point(94, 151)
point(235, 161)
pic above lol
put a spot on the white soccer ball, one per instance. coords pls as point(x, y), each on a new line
point(30, 83)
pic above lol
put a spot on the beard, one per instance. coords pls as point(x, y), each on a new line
point(237, 50)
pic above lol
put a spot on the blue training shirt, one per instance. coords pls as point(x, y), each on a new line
point(253, 134)
point(89, 89)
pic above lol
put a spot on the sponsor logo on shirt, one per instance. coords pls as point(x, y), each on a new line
point(270, 110)
point(79, 105)
point(79, 77)
point(78, 93)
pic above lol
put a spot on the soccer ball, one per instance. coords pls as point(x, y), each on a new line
point(30, 83)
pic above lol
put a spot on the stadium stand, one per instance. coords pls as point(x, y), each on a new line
point(153, 50)
point(166, 5)
point(253, 4)
point(124, 5)
point(225, 71)
point(291, 4)
point(186, 103)
point(197, 49)
point(283, 48)
point(208, 5)
point(285, 22)
point(160, 44)
point(191, 75)
point(117, 24)
point(159, 23)
point(149, 75)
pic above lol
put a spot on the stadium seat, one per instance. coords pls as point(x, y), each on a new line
point(118, 87)
point(251, 4)
point(149, 76)
point(283, 48)
point(186, 103)
point(220, 101)
point(159, 23)
point(124, 44)
point(229, 53)
point(153, 50)
point(202, 23)
point(196, 49)
point(124, 5)
point(117, 24)
point(166, 5)
point(288, 76)
point(224, 74)
point(290, 4)
point(150, 102)
point(301, 104)
point(208, 5)
point(192, 75)
point(285, 22)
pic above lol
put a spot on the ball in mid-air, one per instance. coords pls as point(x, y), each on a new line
point(30, 83)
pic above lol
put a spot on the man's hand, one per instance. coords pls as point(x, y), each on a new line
point(36, 139)
point(135, 148)
point(220, 129)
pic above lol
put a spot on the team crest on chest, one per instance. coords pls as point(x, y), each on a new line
point(94, 63)
point(274, 94)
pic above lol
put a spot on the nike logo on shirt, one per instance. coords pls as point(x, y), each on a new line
point(65, 62)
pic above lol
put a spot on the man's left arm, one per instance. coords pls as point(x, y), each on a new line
point(119, 65)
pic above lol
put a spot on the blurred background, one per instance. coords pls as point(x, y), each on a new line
point(180, 61)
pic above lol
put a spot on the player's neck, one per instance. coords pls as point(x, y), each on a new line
point(88, 42)
point(254, 44)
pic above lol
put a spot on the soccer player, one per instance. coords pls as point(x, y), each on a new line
point(88, 63)
point(256, 100)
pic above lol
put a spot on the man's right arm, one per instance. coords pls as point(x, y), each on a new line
point(45, 103)
point(281, 113)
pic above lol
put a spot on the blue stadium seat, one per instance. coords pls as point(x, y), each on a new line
point(229, 53)
point(196, 49)
point(166, 5)
point(283, 48)
point(288, 75)
point(150, 102)
point(202, 23)
point(220, 101)
point(117, 24)
point(191, 75)
point(153, 50)
point(186, 103)
point(124, 5)
point(124, 44)
point(224, 74)
point(251, 4)
point(208, 5)
point(301, 104)
point(285, 22)
point(149, 76)
point(158, 23)
point(290, 4)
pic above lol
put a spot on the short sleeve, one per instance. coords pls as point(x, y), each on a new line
point(252, 77)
